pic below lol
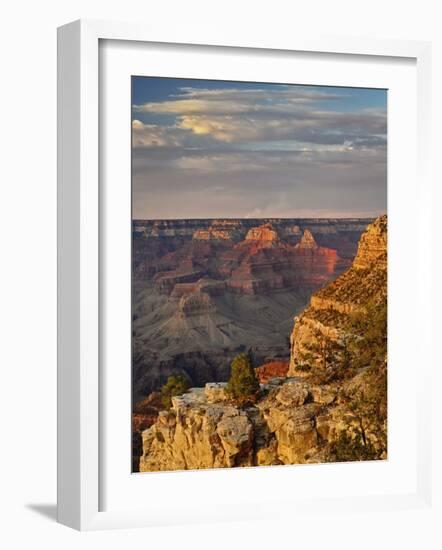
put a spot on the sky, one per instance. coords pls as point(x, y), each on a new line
point(211, 149)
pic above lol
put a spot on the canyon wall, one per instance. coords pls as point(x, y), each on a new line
point(203, 290)
point(325, 324)
point(329, 406)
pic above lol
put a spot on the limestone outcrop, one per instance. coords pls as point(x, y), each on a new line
point(196, 433)
point(294, 422)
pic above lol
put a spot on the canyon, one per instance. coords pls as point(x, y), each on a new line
point(325, 401)
point(205, 290)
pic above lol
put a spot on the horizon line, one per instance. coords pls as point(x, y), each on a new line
point(264, 218)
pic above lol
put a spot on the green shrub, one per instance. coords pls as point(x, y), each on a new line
point(304, 367)
point(371, 327)
point(243, 383)
point(175, 385)
point(349, 448)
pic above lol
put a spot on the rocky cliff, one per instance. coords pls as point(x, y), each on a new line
point(331, 404)
point(293, 422)
point(202, 432)
point(325, 326)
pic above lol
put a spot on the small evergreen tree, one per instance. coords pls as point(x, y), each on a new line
point(243, 383)
point(175, 385)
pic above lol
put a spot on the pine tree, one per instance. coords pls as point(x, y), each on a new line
point(243, 383)
point(175, 385)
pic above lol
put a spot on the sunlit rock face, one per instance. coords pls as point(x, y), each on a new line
point(292, 422)
point(307, 241)
point(262, 234)
point(265, 262)
point(197, 433)
point(373, 246)
point(363, 284)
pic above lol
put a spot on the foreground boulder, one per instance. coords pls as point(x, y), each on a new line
point(294, 422)
point(196, 433)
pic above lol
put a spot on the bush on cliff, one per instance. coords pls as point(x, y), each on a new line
point(370, 348)
point(351, 448)
point(175, 385)
point(243, 384)
point(367, 401)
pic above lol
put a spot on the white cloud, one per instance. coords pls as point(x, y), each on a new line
point(230, 101)
point(252, 152)
point(238, 115)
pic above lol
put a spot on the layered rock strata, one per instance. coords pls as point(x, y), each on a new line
point(203, 290)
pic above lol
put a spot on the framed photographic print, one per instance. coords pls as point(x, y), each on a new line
point(231, 276)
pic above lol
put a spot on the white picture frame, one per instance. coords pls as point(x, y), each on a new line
point(79, 274)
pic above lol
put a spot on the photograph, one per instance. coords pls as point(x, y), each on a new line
point(259, 274)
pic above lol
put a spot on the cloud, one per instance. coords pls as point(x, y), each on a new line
point(238, 115)
point(254, 152)
point(196, 101)
point(317, 127)
point(151, 135)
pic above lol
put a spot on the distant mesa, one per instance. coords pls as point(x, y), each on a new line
point(211, 234)
point(264, 232)
point(219, 230)
point(307, 241)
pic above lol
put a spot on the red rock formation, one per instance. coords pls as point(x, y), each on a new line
point(274, 369)
point(259, 264)
point(271, 264)
point(315, 266)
